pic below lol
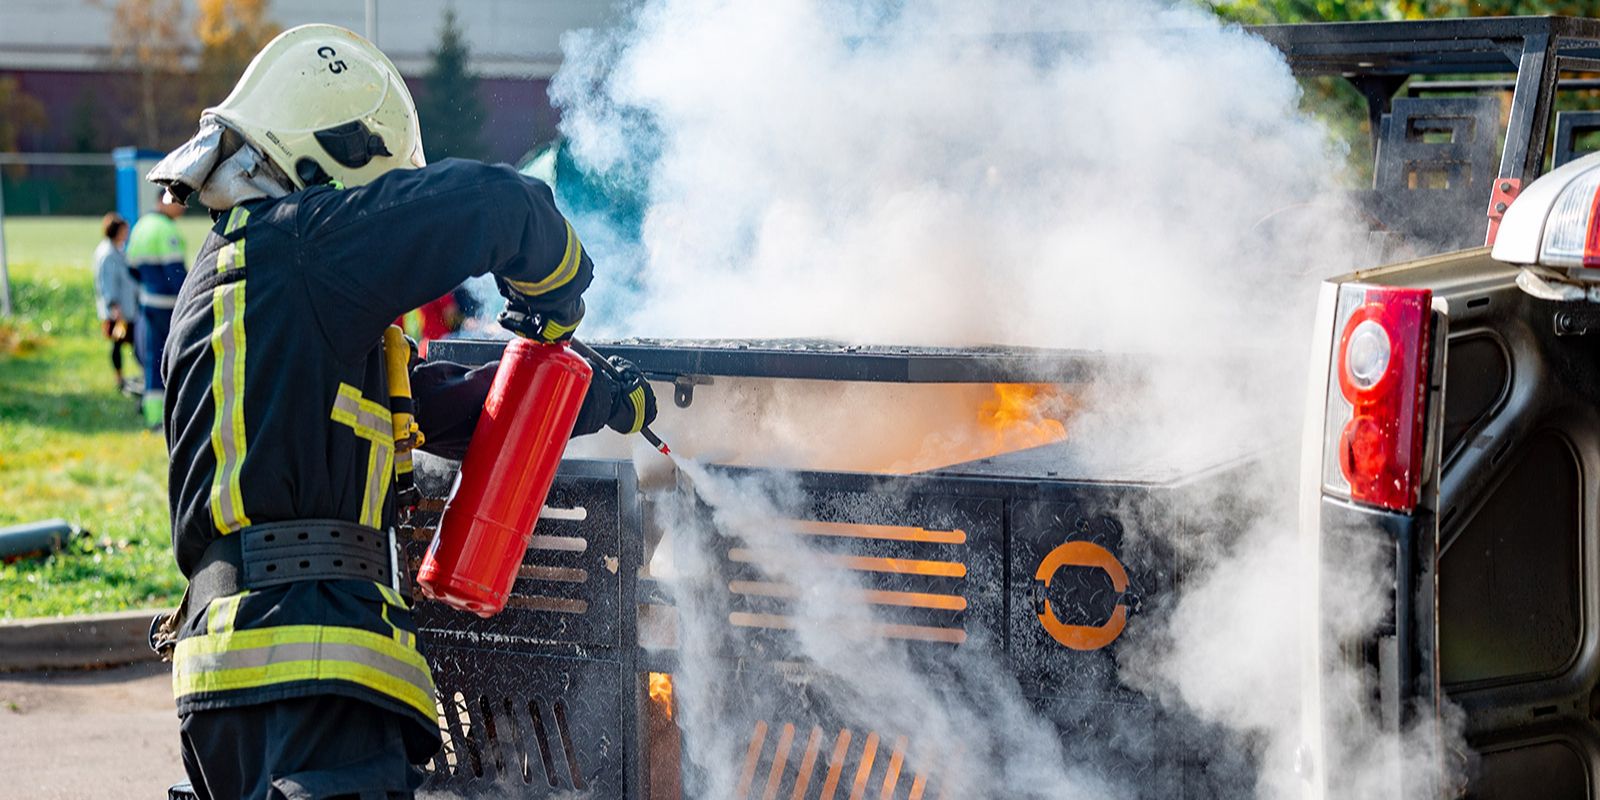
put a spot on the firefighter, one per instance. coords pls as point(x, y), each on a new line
point(295, 662)
point(156, 259)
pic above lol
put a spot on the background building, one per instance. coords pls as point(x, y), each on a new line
point(74, 70)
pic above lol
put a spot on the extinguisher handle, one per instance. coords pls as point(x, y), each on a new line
point(593, 357)
point(601, 363)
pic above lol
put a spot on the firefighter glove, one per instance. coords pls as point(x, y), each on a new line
point(623, 403)
point(634, 404)
point(539, 319)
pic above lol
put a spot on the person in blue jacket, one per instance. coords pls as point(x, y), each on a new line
point(116, 295)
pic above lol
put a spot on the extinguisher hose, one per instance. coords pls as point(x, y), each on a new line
point(599, 361)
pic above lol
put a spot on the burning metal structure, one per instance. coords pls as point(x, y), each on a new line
point(1019, 552)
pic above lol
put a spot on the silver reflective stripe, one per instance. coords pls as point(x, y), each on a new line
point(227, 390)
point(379, 467)
point(373, 423)
point(152, 300)
point(257, 657)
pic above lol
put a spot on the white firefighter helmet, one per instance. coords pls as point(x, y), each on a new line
point(323, 103)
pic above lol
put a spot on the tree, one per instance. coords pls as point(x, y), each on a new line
point(87, 189)
point(1266, 12)
point(20, 113)
point(448, 110)
point(149, 36)
point(231, 32)
point(1257, 12)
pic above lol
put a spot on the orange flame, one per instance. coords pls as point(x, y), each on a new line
point(1023, 415)
point(661, 691)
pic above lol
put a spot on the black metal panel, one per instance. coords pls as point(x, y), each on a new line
point(1080, 660)
point(1400, 649)
point(888, 537)
point(1135, 750)
point(1550, 768)
point(1434, 165)
point(530, 726)
point(1477, 383)
point(1510, 585)
point(1070, 462)
point(1569, 126)
point(807, 359)
point(1424, 47)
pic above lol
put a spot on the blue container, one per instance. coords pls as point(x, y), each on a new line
point(135, 195)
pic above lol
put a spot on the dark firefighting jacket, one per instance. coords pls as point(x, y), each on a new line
point(277, 408)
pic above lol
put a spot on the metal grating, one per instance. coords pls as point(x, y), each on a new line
point(930, 565)
point(528, 727)
point(808, 762)
point(569, 586)
point(538, 701)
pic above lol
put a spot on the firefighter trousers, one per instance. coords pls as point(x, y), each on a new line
point(322, 747)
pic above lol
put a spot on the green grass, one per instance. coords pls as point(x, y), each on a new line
point(70, 445)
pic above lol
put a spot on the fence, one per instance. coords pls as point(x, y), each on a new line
point(82, 183)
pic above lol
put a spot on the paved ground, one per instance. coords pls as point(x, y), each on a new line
point(103, 734)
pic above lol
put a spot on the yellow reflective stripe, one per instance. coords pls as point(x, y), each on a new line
point(236, 219)
point(370, 421)
point(290, 671)
point(267, 656)
point(555, 330)
point(564, 271)
point(392, 596)
point(222, 612)
point(637, 397)
point(402, 637)
point(227, 400)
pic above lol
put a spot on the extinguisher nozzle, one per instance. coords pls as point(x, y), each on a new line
point(655, 441)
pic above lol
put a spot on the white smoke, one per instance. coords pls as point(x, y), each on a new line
point(959, 719)
point(1116, 175)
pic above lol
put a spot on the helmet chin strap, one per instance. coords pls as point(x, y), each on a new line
point(311, 173)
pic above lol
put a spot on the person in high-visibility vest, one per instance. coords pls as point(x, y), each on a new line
point(295, 662)
point(156, 256)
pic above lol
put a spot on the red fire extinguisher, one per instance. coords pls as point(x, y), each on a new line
point(510, 464)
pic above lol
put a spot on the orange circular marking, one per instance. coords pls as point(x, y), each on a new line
point(1083, 554)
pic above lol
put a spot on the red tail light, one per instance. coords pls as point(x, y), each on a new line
point(1375, 417)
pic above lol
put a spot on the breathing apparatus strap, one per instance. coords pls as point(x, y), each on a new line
point(397, 356)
